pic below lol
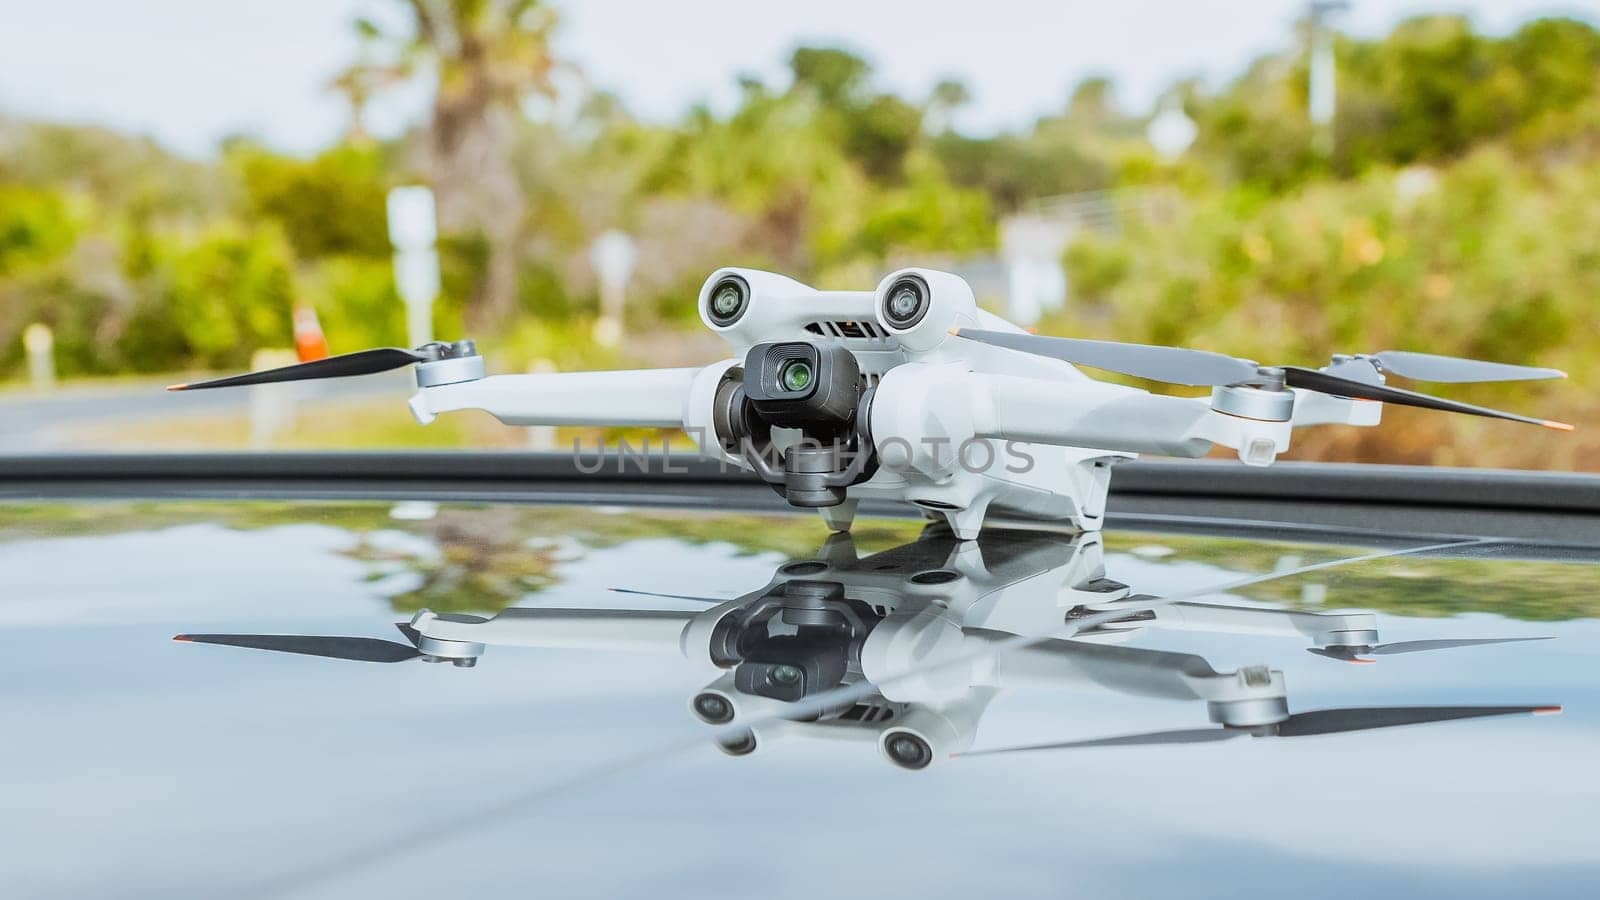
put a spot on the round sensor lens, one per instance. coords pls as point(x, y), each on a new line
point(787, 676)
point(906, 304)
point(795, 375)
point(908, 751)
point(728, 301)
point(713, 708)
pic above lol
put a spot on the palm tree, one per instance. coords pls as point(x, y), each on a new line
point(948, 95)
point(363, 78)
point(486, 57)
point(356, 87)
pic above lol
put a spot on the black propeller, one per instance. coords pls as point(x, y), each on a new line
point(359, 649)
point(1320, 721)
point(361, 362)
point(1201, 368)
point(1323, 383)
point(1353, 652)
point(643, 593)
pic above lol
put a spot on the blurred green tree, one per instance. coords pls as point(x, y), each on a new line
point(1429, 91)
point(212, 299)
point(486, 57)
point(330, 204)
point(35, 228)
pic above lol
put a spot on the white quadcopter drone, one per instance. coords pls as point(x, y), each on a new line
point(911, 392)
point(903, 651)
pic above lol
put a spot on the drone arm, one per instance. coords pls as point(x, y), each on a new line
point(1088, 414)
point(922, 407)
point(645, 398)
point(1130, 670)
point(651, 631)
point(1114, 417)
point(1256, 620)
point(1223, 618)
point(1061, 663)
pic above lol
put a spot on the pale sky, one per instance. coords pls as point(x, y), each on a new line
point(189, 72)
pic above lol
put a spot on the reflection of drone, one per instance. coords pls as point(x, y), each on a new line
point(911, 392)
point(910, 626)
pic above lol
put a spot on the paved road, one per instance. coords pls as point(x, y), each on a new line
point(31, 420)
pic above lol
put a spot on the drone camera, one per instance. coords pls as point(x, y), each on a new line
point(796, 384)
point(798, 641)
point(812, 671)
point(817, 389)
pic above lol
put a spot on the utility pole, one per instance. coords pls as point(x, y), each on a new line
point(1322, 101)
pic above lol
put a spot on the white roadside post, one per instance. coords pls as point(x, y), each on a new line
point(1322, 100)
point(1171, 132)
point(1031, 247)
point(413, 232)
point(613, 256)
point(40, 344)
point(273, 407)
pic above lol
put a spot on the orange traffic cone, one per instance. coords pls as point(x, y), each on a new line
point(309, 344)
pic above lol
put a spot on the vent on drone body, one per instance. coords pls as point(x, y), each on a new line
point(848, 330)
point(868, 713)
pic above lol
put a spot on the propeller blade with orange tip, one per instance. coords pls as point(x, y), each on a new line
point(644, 593)
point(362, 362)
point(1324, 383)
point(1306, 724)
point(358, 649)
point(1367, 718)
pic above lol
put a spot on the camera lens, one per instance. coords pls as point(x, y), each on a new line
point(795, 375)
point(728, 300)
point(908, 751)
point(713, 708)
point(906, 303)
point(785, 676)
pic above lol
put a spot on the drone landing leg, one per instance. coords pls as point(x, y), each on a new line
point(841, 517)
point(966, 523)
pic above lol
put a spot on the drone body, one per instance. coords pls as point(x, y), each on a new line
point(911, 392)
